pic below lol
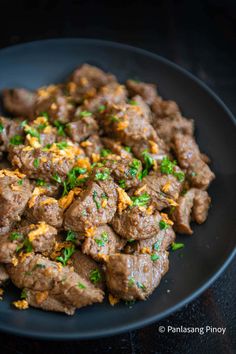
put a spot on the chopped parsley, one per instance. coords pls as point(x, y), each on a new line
point(62, 145)
point(81, 286)
point(179, 175)
point(15, 236)
point(57, 178)
point(176, 246)
point(71, 236)
point(141, 200)
point(98, 205)
point(163, 225)
point(85, 114)
point(44, 114)
point(101, 241)
point(105, 152)
point(131, 281)
point(114, 119)
point(66, 255)
point(101, 108)
point(33, 132)
point(95, 276)
point(133, 102)
point(23, 124)
point(60, 128)
point(40, 182)
point(154, 257)
point(148, 163)
point(140, 285)
point(16, 140)
point(102, 175)
point(1, 127)
point(122, 183)
point(134, 167)
point(127, 148)
point(167, 167)
point(36, 163)
point(20, 182)
point(72, 180)
point(23, 294)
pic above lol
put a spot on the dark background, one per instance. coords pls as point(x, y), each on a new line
point(201, 37)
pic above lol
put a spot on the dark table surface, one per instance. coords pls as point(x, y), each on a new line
point(201, 37)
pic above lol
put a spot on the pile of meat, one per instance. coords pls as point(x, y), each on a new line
point(95, 179)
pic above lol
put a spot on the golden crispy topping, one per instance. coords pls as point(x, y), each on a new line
point(150, 209)
point(48, 201)
point(153, 147)
point(122, 125)
point(21, 304)
point(46, 91)
point(166, 187)
point(48, 129)
point(36, 192)
point(41, 296)
point(166, 219)
point(172, 202)
point(155, 167)
point(141, 190)
point(95, 157)
point(16, 188)
point(28, 148)
point(23, 256)
point(123, 200)
point(53, 106)
point(9, 173)
point(86, 143)
point(83, 163)
point(33, 141)
point(90, 231)
point(14, 261)
point(66, 201)
point(83, 81)
point(41, 229)
point(145, 250)
point(104, 203)
point(113, 300)
point(103, 257)
point(39, 120)
point(71, 86)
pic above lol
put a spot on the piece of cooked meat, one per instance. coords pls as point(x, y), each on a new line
point(92, 146)
point(104, 242)
point(15, 191)
point(3, 275)
point(164, 108)
point(38, 237)
point(115, 147)
point(8, 129)
point(147, 91)
point(193, 205)
point(189, 158)
point(95, 206)
point(45, 208)
point(136, 224)
point(82, 128)
point(38, 273)
point(159, 242)
point(19, 102)
point(131, 277)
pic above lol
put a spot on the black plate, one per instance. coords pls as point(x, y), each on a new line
point(206, 253)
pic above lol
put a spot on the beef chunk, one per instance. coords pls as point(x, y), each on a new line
point(40, 237)
point(95, 206)
point(189, 158)
point(43, 163)
point(45, 301)
point(156, 149)
point(127, 123)
point(104, 242)
point(126, 172)
point(132, 277)
point(147, 91)
point(82, 128)
point(110, 94)
point(86, 267)
point(87, 76)
point(92, 146)
point(164, 108)
point(138, 100)
point(8, 129)
point(115, 147)
point(46, 209)
point(15, 192)
point(159, 242)
point(38, 273)
point(163, 189)
point(193, 205)
point(19, 102)
point(135, 223)
point(3, 275)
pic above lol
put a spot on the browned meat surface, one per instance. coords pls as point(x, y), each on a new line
point(85, 266)
point(38, 273)
point(3, 275)
point(43, 163)
point(189, 158)
point(115, 147)
point(104, 242)
point(156, 149)
point(15, 192)
point(38, 237)
point(95, 206)
point(82, 128)
point(136, 224)
point(131, 277)
point(127, 123)
point(19, 102)
point(194, 206)
point(164, 108)
point(139, 101)
point(92, 146)
point(44, 208)
point(8, 129)
point(147, 91)
point(159, 242)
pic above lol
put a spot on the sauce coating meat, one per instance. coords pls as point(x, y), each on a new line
point(96, 178)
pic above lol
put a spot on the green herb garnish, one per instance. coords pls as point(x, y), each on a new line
point(81, 286)
point(85, 114)
point(163, 225)
point(101, 108)
point(23, 294)
point(122, 183)
point(15, 236)
point(154, 257)
point(36, 163)
point(60, 128)
point(40, 182)
point(16, 140)
point(176, 246)
point(95, 276)
point(104, 239)
point(127, 148)
point(133, 102)
point(141, 200)
point(134, 167)
point(71, 236)
point(20, 182)
point(1, 127)
point(102, 175)
point(105, 152)
point(33, 132)
point(57, 178)
point(62, 145)
point(131, 281)
point(98, 205)
point(66, 255)
point(148, 163)
point(140, 285)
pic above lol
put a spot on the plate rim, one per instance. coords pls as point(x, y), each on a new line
point(221, 268)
